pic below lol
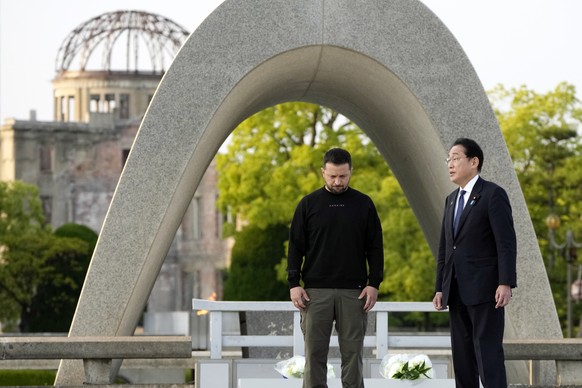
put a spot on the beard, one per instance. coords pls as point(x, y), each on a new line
point(336, 189)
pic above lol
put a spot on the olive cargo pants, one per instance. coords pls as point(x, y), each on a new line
point(327, 305)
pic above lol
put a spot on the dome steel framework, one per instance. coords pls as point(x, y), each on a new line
point(140, 33)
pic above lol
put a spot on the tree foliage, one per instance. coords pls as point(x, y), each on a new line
point(274, 159)
point(254, 256)
point(542, 135)
point(20, 209)
point(21, 232)
point(54, 304)
point(31, 258)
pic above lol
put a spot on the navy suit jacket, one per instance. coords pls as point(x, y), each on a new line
point(483, 253)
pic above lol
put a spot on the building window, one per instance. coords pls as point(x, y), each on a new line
point(94, 103)
point(70, 108)
point(62, 108)
point(46, 158)
point(110, 104)
point(124, 106)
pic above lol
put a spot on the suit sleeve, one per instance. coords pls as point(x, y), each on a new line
point(440, 260)
point(501, 220)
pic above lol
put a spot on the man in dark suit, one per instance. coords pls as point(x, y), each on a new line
point(476, 268)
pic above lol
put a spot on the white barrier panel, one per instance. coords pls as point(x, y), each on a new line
point(336, 383)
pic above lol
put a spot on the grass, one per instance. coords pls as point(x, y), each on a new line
point(43, 377)
point(27, 377)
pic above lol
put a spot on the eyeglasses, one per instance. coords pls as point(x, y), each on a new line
point(456, 159)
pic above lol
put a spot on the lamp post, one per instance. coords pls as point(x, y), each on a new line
point(568, 247)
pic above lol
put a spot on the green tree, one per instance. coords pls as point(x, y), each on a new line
point(21, 230)
point(31, 257)
point(53, 306)
point(409, 264)
point(252, 270)
point(20, 209)
point(274, 159)
point(541, 132)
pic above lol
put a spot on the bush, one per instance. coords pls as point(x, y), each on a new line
point(54, 304)
point(255, 254)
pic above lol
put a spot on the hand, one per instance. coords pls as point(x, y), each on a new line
point(502, 296)
point(437, 301)
point(298, 296)
point(371, 295)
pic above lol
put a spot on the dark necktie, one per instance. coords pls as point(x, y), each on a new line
point(459, 212)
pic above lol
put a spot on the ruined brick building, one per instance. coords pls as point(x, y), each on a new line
point(107, 71)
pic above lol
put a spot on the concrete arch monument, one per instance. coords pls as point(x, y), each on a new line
point(390, 66)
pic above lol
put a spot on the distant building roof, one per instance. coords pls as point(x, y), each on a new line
point(131, 41)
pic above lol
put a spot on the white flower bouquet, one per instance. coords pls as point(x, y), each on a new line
point(293, 368)
point(406, 367)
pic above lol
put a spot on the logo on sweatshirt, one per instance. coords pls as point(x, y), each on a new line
point(337, 205)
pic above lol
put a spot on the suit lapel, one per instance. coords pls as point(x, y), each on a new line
point(472, 200)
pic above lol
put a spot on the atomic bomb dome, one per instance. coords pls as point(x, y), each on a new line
point(128, 34)
point(107, 71)
point(112, 64)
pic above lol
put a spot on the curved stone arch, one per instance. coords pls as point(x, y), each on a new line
point(392, 67)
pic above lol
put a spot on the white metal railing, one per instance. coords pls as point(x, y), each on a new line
point(381, 341)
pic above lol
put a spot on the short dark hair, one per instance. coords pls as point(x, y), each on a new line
point(472, 149)
point(337, 156)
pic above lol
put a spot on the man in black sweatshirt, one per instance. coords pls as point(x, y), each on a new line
point(335, 248)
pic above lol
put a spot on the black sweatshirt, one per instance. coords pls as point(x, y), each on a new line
point(337, 234)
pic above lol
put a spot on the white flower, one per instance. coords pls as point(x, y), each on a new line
point(295, 366)
point(404, 366)
point(418, 360)
point(394, 368)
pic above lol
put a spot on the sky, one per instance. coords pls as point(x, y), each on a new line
point(511, 42)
